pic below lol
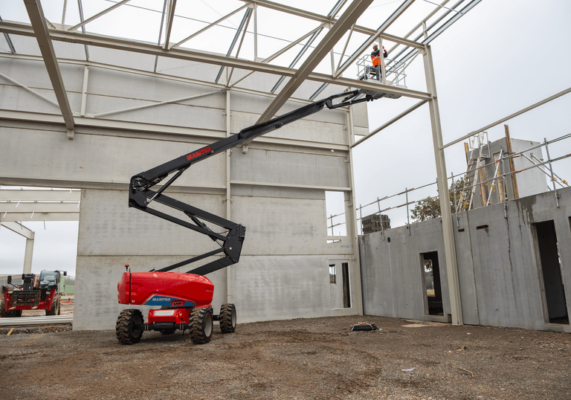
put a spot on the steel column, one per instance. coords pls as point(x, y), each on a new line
point(442, 179)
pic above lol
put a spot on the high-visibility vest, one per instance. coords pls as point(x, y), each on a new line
point(377, 60)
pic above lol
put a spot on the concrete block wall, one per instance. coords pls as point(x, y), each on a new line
point(498, 264)
point(277, 188)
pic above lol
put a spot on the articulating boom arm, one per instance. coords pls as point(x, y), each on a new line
point(141, 195)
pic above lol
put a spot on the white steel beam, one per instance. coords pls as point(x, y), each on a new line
point(349, 17)
point(394, 16)
point(39, 195)
point(28, 217)
point(41, 96)
point(539, 103)
point(38, 207)
point(18, 228)
point(170, 21)
point(42, 35)
point(207, 58)
point(98, 15)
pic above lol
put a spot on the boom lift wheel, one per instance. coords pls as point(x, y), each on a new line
point(53, 309)
point(201, 324)
point(129, 328)
point(228, 318)
point(3, 312)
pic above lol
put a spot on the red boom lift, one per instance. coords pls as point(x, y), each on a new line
point(185, 298)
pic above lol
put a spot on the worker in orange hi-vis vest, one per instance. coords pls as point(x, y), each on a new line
point(376, 57)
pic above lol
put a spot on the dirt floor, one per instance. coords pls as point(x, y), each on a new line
point(298, 359)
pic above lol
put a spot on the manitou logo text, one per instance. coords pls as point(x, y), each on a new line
point(200, 152)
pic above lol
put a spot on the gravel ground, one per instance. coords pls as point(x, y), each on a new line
point(297, 359)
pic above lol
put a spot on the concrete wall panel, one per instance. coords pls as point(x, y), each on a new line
point(35, 154)
point(498, 264)
point(264, 166)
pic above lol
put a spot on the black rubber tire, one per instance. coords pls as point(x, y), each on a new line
point(201, 325)
point(16, 313)
point(228, 318)
point(167, 331)
point(130, 326)
point(3, 312)
point(58, 306)
point(53, 309)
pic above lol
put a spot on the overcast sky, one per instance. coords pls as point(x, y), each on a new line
point(499, 58)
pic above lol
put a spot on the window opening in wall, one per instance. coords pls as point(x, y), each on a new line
point(346, 292)
point(432, 289)
point(551, 272)
point(335, 215)
point(332, 275)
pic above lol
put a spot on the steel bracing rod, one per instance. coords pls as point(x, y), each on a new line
point(345, 48)
point(297, 57)
point(389, 123)
point(322, 18)
point(203, 57)
point(148, 73)
point(343, 24)
point(245, 18)
point(190, 260)
point(161, 32)
point(82, 23)
point(80, 8)
point(9, 41)
point(308, 44)
point(432, 25)
point(279, 53)
point(240, 45)
point(367, 43)
point(29, 90)
point(196, 96)
point(208, 26)
point(170, 21)
point(547, 100)
point(42, 34)
point(421, 24)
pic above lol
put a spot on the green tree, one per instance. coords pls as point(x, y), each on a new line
point(429, 207)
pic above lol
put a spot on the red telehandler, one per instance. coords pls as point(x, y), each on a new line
point(185, 298)
point(37, 292)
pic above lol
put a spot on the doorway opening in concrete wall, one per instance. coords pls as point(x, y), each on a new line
point(335, 216)
point(340, 287)
point(550, 272)
point(432, 288)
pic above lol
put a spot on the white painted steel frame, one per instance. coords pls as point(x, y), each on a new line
point(343, 24)
point(197, 56)
point(42, 35)
point(21, 230)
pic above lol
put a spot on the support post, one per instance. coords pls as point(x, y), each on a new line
point(407, 213)
point(28, 255)
point(351, 221)
point(513, 177)
point(551, 172)
point(255, 32)
point(84, 91)
point(442, 179)
point(228, 195)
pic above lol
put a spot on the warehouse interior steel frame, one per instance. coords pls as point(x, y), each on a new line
point(45, 32)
